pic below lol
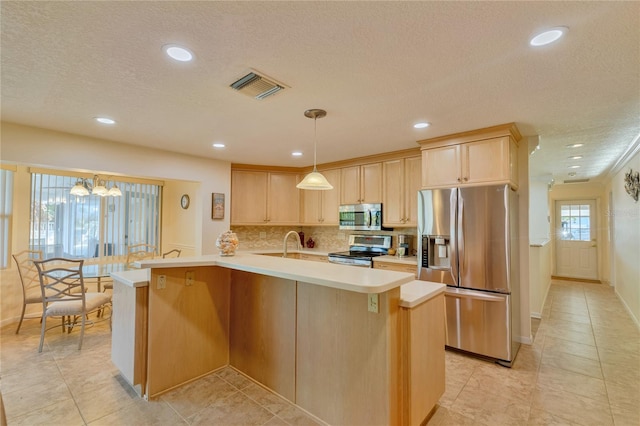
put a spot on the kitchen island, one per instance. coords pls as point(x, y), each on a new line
point(326, 337)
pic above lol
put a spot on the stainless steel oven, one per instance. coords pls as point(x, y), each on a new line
point(362, 250)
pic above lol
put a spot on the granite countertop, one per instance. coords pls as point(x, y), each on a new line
point(360, 280)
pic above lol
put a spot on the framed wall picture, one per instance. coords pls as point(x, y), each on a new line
point(217, 206)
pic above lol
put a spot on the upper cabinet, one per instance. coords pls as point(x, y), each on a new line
point(483, 157)
point(400, 184)
point(321, 207)
point(264, 198)
point(361, 184)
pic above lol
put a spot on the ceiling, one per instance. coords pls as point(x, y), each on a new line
point(375, 67)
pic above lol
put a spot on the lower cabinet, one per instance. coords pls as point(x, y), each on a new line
point(398, 267)
point(423, 359)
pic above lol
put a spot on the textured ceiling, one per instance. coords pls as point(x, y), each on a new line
point(376, 67)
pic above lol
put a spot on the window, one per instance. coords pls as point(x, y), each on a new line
point(576, 222)
point(6, 214)
point(63, 225)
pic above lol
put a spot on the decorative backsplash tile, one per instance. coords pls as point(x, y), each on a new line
point(326, 238)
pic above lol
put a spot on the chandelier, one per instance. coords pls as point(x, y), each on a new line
point(97, 186)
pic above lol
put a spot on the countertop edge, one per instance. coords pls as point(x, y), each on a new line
point(417, 292)
point(350, 278)
point(133, 278)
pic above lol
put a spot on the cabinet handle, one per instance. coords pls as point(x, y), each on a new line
point(459, 180)
point(466, 179)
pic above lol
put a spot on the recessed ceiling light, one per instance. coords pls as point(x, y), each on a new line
point(296, 154)
point(548, 36)
point(574, 167)
point(575, 145)
point(178, 53)
point(421, 125)
point(575, 157)
point(104, 120)
point(572, 174)
point(218, 145)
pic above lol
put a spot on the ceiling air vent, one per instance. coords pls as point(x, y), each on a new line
point(576, 181)
point(257, 86)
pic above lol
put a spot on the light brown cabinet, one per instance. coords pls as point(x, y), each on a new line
point(264, 198)
point(321, 207)
point(401, 180)
point(361, 184)
point(480, 157)
point(393, 266)
point(473, 163)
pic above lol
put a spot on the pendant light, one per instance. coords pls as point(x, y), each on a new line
point(315, 180)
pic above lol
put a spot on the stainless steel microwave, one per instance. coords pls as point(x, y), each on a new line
point(361, 217)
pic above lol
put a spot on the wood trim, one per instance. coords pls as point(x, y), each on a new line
point(501, 130)
point(582, 280)
point(108, 176)
point(10, 167)
point(262, 168)
point(358, 161)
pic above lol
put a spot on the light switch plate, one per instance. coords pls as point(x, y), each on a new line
point(372, 303)
point(190, 277)
point(162, 282)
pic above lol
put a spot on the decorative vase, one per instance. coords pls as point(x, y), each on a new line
point(227, 243)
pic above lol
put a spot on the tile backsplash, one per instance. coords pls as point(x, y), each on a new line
point(326, 238)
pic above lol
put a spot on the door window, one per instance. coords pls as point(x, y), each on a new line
point(575, 222)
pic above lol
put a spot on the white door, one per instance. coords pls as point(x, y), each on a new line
point(576, 245)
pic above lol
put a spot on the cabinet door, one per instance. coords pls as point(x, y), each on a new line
point(392, 192)
point(485, 161)
point(311, 206)
point(441, 167)
point(371, 183)
point(412, 184)
point(350, 185)
point(283, 199)
point(248, 197)
point(330, 200)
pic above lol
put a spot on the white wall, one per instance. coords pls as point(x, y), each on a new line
point(539, 219)
point(44, 148)
point(191, 230)
point(625, 215)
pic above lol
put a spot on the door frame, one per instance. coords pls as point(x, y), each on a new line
point(594, 231)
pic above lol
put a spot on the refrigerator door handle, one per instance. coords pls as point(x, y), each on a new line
point(476, 295)
point(453, 241)
point(460, 225)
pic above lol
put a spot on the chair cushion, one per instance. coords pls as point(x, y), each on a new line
point(92, 302)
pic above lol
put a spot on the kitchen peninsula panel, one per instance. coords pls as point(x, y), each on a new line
point(188, 326)
point(262, 332)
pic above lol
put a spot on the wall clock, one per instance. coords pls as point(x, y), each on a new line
point(184, 201)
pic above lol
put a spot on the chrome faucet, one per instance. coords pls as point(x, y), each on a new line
point(299, 246)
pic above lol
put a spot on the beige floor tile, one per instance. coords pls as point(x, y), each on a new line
point(572, 336)
point(453, 387)
point(236, 409)
point(61, 413)
point(35, 398)
point(572, 407)
point(554, 345)
point(544, 418)
point(494, 381)
point(491, 409)
point(104, 400)
point(573, 363)
point(444, 417)
point(194, 397)
point(142, 413)
point(621, 375)
point(567, 381)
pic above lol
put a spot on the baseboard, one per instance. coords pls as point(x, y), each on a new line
point(525, 340)
point(536, 315)
point(629, 311)
point(581, 280)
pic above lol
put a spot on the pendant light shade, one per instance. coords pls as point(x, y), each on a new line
point(315, 180)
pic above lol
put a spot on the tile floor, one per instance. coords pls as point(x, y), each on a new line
point(582, 369)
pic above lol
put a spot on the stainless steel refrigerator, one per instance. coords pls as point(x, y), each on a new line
point(468, 240)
